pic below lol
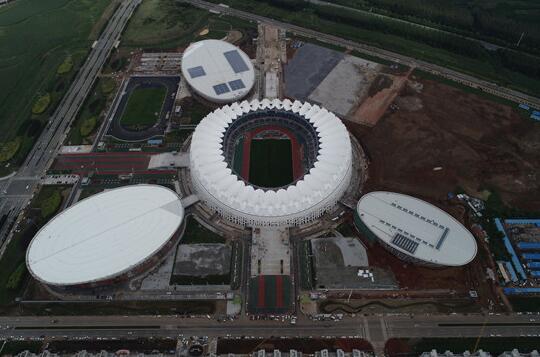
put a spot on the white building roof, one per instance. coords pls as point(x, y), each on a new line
point(324, 180)
point(417, 228)
point(104, 235)
point(218, 70)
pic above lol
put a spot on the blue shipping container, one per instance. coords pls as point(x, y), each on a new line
point(533, 265)
point(535, 273)
point(536, 222)
point(518, 291)
point(528, 246)
point(531, 256)
point(511, 271)
point(511, 251)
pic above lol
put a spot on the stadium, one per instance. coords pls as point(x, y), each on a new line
point(106, 238)
point(414, 230)
point(218, 71)
point(270, 163)
point(142, 108)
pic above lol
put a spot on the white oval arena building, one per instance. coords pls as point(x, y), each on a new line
point(106, 238)
point(218, 71)
point(328, 148)
point(415, 230)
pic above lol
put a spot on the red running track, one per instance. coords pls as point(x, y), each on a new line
point(116, 163)
point(279, 291)
point(260, 300)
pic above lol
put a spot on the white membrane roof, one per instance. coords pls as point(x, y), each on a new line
point(331, 168)
point(417, 228)
point(104, 235)
point(218, 70)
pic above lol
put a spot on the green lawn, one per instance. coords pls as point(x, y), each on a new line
point(44, 205)
point(165, 23)
point(195, 111)
point(270, 163)
point(140, 307)
point(171, 24)
point(195, 233)
point(525, 303)
point(90, 113)
point(36, 37)
point(143, 107)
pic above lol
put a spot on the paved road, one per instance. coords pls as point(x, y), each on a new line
point(462, 78)
point(18, 190)
point(375, 328)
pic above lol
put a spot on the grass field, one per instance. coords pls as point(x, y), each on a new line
point(525, 303)
point(271, 163)
point(140, 307)
point(143, 107)
point(169, 24)
point(94, 105)
point(195, 233)
point(36, 37)
point(43, 207)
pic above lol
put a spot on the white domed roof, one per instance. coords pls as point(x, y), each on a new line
point(218, 71)
point(417, 228)
point(105, 235)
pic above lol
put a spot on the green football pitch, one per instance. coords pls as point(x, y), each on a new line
point(270, 163)
point(143, 107)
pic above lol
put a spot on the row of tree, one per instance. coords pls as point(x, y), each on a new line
point(469, 19)
point(432, 38)
point(509, 59)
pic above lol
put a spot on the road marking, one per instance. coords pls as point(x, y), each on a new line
point(367, 335)
point(383, 328)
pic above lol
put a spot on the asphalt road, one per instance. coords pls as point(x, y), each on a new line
point(17, 191)
point(465, 79)
point(374, 328)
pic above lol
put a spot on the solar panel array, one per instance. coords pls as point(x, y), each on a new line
point(404, 243)
point(236, 61)
point(236, 84)
point(221, 88)
point(195, 72)
point(443, 237)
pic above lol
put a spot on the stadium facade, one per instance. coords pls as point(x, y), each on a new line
point(414, 230)
point(218, 71)
point(107, 238)
point(327, 156)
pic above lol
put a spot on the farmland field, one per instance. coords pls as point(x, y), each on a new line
point(37, 39)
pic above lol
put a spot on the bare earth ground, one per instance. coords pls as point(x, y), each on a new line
point(478, 143)
point(373, 107)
